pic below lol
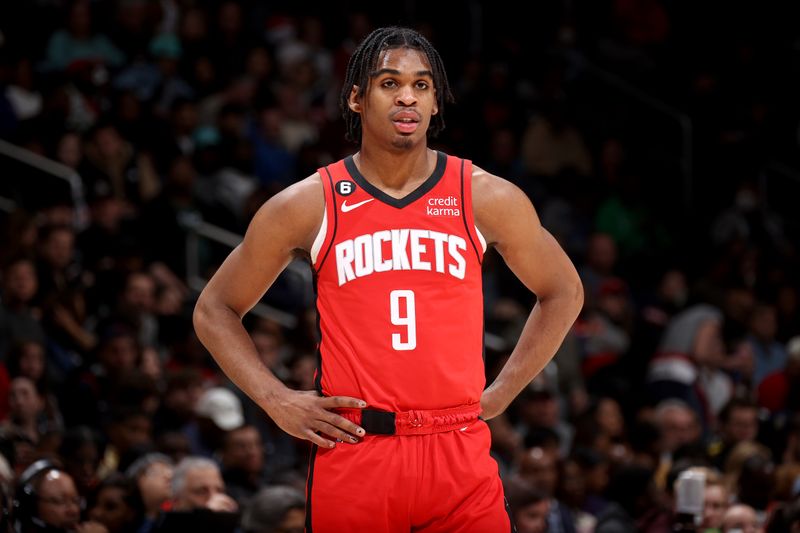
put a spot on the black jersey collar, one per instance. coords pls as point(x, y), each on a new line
point(425, 186)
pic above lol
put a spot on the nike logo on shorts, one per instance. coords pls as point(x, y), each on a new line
point(346, 208)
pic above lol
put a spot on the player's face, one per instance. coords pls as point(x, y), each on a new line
point(400, 100)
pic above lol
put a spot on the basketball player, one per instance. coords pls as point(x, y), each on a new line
point(396, 235)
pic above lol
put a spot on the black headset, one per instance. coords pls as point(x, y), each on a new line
point(25, 495)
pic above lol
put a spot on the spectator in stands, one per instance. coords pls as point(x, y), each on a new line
point(199, 499)
point(152, 473)
point(19, 318)
point(117, 505)
point(242, 458)
point(219, 411)
point(81, 450)
point(738, 423)
point(741, 518)
point(276, 509)
point(78, 42)
point(529, 508)
point(770, 355)
point(687, 363)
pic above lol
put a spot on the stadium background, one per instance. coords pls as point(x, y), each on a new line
point(657, 139)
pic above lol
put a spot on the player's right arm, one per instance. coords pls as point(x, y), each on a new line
point(287, 222)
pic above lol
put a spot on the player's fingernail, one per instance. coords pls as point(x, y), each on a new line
point(362, 404)
point(353, 439)
point(331, 445)
point(360, 431)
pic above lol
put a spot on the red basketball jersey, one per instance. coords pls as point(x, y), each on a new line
point(399, 291)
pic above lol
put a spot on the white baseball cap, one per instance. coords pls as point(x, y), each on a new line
point(222, 407)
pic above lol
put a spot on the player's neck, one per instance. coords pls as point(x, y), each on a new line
point(395, 170)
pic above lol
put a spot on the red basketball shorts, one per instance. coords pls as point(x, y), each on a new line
point(427, 483)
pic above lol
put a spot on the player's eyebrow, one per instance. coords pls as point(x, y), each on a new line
point(395, 72)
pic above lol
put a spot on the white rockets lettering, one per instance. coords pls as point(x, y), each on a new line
point(400, 249)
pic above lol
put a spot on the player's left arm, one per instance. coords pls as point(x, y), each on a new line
point(508, 221)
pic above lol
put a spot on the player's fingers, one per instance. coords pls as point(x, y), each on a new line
point(344, 424)
point(342, 401)
point(333, 431)
point(318, 440)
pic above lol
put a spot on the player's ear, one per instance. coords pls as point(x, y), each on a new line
point(353, 101)
point(435, 103)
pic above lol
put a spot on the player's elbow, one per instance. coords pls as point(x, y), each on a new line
point(203, 316)
point(577, 295)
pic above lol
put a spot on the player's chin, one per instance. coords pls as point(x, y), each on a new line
point(404, 141)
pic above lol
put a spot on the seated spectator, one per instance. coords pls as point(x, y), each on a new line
point(741, 519)
point(153, 475)
point(529, 508)
point(199, 500)
point(278, 509)
point(117, 505)
point(46, 501)
point(242, 460)
point(81, 450)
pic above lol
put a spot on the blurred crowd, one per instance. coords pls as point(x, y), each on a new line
point(684, 364)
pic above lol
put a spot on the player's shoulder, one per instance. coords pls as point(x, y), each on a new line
point(488, 189)
point(302, 196)
point(297, 209)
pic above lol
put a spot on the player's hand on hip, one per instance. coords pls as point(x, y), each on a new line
point(305, 414)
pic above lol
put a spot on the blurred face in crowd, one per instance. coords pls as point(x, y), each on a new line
point(58, 503)
point(24, 400)
point(573, 484)
point(742, 424)
point(539, 468)
point(133, 431)
point(678, 426)
point(532, 518)
point(70, 151)
point(714, 506)
point(602, 253)
point(609, 417)
point(244, 450)
point(19, 282)
point(540, 409)
point(155, 484)
point(182, 398)
point(199, 486)
point(673, 288)
point(58, 247)
point(140, 293)
point(764, 322)
point(82, 466)
point(709, 348)
point(112, 510)
point(741, 518)
point(119, 354)
point(31, 361)
point(268, 347)
point(108, 142)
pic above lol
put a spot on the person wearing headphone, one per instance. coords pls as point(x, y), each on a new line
point(47, 501)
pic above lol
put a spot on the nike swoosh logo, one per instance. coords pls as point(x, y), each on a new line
point(346, 208)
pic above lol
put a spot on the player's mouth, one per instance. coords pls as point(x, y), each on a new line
point(406, 121)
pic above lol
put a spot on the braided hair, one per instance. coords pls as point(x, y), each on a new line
point(364, 60)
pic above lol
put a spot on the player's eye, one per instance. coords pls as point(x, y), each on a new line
point(422, 85)
point(389, 84)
